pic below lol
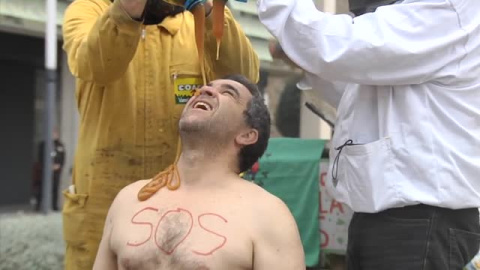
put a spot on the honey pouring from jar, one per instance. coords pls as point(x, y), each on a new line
point(197, 8)
point(218, 14)
point(218, 17)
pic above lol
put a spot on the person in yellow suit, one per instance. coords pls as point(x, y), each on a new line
point(136, 64)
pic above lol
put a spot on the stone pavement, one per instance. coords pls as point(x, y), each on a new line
point(31, 240)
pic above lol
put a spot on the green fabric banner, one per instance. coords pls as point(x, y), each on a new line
point(289, 169)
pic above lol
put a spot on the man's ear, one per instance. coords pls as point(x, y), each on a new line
point(248, 137)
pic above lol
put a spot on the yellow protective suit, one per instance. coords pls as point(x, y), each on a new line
point(130, 79)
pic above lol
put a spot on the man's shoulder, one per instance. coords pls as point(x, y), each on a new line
point(267, 210)
point(128, 194)
point(133, 188)
point(264, 202)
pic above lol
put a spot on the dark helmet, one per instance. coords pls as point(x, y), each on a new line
point(359, 7)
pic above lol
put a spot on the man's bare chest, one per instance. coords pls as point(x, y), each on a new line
point(180, 237)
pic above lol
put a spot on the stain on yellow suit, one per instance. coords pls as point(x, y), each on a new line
point(125, 77)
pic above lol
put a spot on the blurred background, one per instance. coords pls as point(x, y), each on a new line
point(32, 240)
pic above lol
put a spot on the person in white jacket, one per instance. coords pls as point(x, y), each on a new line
point(405, 79)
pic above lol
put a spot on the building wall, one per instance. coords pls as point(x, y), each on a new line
point(273, 92)
point(21, 114)
point(16, 136)
point(340, 6)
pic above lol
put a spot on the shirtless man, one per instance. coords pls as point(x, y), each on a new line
point(215, 219)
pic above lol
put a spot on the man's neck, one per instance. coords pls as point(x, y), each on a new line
point(200, 167)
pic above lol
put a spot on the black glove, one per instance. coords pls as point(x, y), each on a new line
point(157, 10)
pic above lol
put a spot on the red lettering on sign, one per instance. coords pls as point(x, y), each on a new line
point(212, 232)
point(325, 239)
point(144, 224)
point(322, 178)
point(338, 205)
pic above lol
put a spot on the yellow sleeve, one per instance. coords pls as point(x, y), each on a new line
point(237, 55)
point(100, 40)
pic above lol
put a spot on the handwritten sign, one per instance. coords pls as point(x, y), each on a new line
point(334, 218)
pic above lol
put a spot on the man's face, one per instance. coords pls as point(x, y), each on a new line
point(218, 109)
point(55, 134)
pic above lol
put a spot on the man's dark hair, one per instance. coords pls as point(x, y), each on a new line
point(257, 117)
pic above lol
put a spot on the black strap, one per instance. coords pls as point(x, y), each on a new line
point(337, 158)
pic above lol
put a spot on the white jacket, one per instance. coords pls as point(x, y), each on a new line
point(406, 80)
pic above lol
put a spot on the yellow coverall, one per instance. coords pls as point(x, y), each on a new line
point(129, 79)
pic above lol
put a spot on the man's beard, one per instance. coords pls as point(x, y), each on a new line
point(211, 133)
point(195, 127)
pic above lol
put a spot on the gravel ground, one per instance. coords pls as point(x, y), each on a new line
point(30, 241)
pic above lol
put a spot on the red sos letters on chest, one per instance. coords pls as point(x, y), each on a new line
point(168, 242)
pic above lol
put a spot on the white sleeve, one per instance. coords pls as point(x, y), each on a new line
point(330, 92)
point(398, 44)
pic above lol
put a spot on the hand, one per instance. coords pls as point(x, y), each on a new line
point(190, 4)
point(276, 50)
point(56, 167)
point(134, 8)
point(277, 53)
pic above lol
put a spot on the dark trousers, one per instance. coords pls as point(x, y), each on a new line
point(55, 186)
point(416, 237)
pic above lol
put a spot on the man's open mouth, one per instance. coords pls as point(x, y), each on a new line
point(202, 106)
